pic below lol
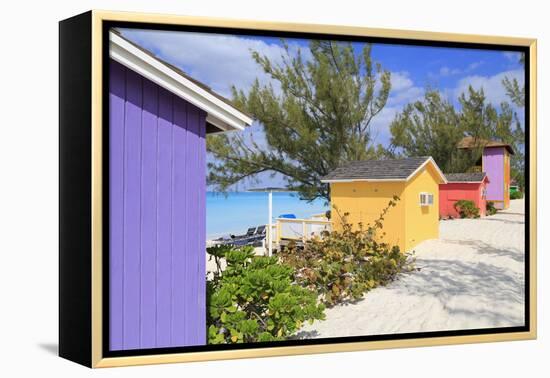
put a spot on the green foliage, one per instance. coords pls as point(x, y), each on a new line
point(466, 209)
point(516, 93)
point(490, 208)
point(254, 299)
point(433, 127)
point(345, 264)
point(218, 253)
point(516, 195)
point(514, 90)
point(430, 127)
point(316, 114)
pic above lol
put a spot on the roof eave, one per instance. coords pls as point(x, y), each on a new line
point(434, 164)
point(219, 113)
point(329, 181)
point(427, 161)
point(464, 182)
point(507, 147)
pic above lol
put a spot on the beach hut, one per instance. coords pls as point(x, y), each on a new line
point(462, 186)
point(364, 188)
point(158, 120)
point(495, 162)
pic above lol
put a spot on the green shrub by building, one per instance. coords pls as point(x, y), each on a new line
point(466, 209)
point(516, 195)
point(343, 265)
point(490, 208)
point(257, 298)
point(254, 299)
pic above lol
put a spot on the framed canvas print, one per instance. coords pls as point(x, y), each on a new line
point(235, 189)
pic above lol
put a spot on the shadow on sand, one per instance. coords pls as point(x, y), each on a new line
point(483, 248)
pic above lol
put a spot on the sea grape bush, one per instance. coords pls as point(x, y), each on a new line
point(466, 209)
point(490, 208)
point(254, 299)
point(516, 195)
point(344, 264)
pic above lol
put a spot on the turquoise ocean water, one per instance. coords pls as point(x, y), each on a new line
point(235, 212)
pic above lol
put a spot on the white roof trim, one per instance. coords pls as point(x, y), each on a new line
point(430, 159)
point(363, 180)
point(220, 114)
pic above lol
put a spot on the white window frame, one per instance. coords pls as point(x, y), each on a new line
point(426, 199)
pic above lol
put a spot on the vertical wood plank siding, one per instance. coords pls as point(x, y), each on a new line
point(493, 165)
point(157, 162)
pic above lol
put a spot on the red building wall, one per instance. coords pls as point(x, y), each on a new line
point(451, 192)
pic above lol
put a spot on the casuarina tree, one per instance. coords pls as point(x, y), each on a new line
point(433, 126)
point(514, 90)
point(314, 114)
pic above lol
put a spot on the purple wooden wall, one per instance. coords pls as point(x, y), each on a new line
point(157, 216)
point(493, 166)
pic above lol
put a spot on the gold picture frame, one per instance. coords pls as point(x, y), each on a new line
point(96, 263)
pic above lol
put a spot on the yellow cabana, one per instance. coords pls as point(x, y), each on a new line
point(364, 188)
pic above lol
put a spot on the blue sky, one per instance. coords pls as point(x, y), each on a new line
point(224, 60)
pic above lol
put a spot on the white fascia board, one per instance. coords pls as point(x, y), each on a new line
point(363, 180)
point(429, 160)
point(220, 114)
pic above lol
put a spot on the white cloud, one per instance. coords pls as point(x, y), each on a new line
point(380, 125)
point(224, 60)
point(474, 65)
point(512, 56)
point(446, 71)
point(403, 89)
point(217, 60)
point(492, 85)
point(400, 81)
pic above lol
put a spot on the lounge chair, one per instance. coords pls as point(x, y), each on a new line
point(222, 240)
point(260, 231)
point(238, 238)
point(248, 234)
point(253, 239)
point(259, 236)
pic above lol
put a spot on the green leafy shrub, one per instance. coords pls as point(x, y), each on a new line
point(217, 253)
point(466, 209)
point(516, 195)
point(490, 208)
point(344, 264)
point(254, 299)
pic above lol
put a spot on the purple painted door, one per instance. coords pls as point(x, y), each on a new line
point(493, 165)
point(157, 216)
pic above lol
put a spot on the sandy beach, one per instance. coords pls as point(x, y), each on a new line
point(471, 277)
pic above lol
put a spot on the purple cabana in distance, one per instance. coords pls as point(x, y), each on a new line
point(495, 162)
point(158, 120)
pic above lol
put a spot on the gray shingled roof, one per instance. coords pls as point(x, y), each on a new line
point(391, 169)
point(465, 177)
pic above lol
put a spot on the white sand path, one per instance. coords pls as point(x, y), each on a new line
point(471, 277)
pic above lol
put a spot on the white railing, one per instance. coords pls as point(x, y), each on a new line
point(299, 229)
